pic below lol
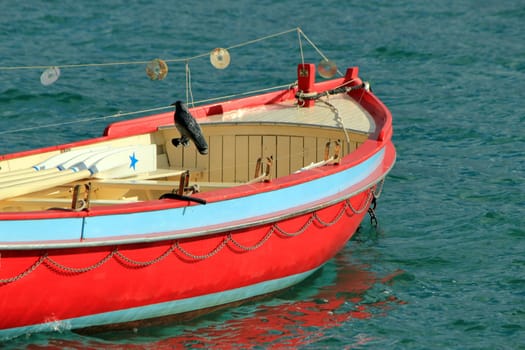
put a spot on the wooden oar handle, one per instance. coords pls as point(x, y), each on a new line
point(27, 177)
point(14, 173)
point(42, 184)
point(112, 163)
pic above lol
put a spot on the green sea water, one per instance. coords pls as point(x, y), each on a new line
point(446, 267)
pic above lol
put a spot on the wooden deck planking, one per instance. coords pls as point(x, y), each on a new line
point(354, 117)
point(242, 170)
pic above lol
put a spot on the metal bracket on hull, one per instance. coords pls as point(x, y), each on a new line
point(184, 182)
point(81, 204)
point(337, 148)
point(179, 197)
point(184, 190)
point(334, 159)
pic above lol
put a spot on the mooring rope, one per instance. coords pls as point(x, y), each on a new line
point(84, 120)
point(338, 90)
point(143, 111)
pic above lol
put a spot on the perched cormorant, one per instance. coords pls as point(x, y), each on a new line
point(189, 129)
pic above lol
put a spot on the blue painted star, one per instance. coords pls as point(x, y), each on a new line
point(133, 161)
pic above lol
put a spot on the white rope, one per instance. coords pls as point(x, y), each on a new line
point(189, 93)
point(317, 49)
point(143, 111)
point(252, 92)
point(300, 45)
point(186, 59)
point(85, 120)
point(79, 65)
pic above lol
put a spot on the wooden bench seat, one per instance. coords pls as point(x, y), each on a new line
point(132, 183)
point(160, 185)
point(50, 202)
point(159, 173)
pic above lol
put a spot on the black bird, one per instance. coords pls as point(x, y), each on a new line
point(189, 129)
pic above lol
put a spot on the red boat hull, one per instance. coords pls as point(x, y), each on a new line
point(88, 281)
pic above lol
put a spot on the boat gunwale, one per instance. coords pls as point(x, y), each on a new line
point(367, 150)
point(370, 181)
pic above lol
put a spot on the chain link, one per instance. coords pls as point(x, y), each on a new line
point(298, 232)
point(205, 256)
point(377, 193)
point(275, 228)
point(145, 263)
point(330, 223)
point(367, 202)
point(56, 265)
point(254, 247)
point(26, 272)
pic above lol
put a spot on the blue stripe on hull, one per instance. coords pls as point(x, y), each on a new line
point(188, 218)
point(161, 309)
point(38, 230)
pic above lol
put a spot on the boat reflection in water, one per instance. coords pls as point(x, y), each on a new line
point(341, 293)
